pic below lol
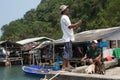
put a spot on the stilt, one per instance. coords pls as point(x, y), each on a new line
point(7, 63)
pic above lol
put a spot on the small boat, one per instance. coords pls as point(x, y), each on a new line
point(36, 70)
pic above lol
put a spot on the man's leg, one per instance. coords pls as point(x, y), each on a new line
point(67, 55)
point(90, 61)
point(64, 66)
point(69, 65)
point(70, 54)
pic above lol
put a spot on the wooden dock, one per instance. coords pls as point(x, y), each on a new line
point(8, 61)
point(78, 74)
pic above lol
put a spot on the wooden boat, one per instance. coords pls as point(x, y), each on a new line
point(35, 70)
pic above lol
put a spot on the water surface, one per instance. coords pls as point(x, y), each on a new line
point(15, 73)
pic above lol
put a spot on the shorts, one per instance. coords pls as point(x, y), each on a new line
point(68, 50)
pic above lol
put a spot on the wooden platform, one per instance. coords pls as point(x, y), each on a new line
point(8, 61)
point(78, 74)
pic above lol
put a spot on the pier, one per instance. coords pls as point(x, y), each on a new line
point(78, 73)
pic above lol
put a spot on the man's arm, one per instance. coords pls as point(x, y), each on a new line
point(99, 54)
point(98, 57)
point(76, 24)
point(84, 58)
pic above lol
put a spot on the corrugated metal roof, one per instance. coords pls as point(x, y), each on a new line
point(96, 34)
point(29, 40)
point(10, 44)
point(43, 44)
point(93, 34)
point(2, 42)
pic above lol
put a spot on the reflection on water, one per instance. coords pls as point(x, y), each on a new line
point(15, 73)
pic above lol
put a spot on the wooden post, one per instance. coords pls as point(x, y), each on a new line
point(33, 58)
point(53, 52)
point(21, 61)
point(8, 63)
point(30, 59)
point(21, 57)
point(116, 43)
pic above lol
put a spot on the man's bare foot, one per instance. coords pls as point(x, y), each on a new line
point(70, 67)
point(63, 68)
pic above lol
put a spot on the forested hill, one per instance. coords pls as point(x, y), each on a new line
point(45, 19)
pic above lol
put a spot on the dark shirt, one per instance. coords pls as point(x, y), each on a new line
point(93, 53)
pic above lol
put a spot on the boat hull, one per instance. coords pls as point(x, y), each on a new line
point(35, 71)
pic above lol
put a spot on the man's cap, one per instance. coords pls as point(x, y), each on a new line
point(95, 41)
point(63, 7)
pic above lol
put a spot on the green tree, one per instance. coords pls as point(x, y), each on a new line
point(45, 19)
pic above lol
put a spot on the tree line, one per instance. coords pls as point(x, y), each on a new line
point(45, 19)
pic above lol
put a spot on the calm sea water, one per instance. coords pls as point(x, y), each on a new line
point(15, 73)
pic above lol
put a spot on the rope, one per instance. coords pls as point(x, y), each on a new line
point(52, 77)
point(55, 75)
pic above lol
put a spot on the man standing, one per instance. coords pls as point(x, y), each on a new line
point(68, 35)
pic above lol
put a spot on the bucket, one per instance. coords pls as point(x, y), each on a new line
point(108, 58)
point(56, 66)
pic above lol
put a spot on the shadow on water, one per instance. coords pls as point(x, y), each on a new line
point(15, 73)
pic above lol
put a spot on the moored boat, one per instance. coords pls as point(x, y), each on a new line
point(35, 70)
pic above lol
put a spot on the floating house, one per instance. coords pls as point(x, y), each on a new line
point(10, 52)
point(110, 37)
point(32, 48)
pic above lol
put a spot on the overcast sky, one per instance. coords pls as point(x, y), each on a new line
point(11, 10)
